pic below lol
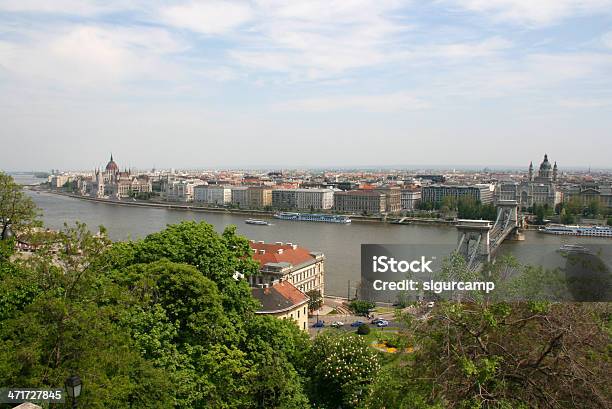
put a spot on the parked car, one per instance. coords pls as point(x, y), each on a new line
point(376, 321)
point(337, 324)
point(319, 324)
point(382, 323)
point(357, 324)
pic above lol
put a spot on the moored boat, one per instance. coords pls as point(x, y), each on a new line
point(313, 217)
point(586, 231)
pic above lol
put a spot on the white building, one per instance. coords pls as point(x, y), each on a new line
point(213, 194)
point(303, 199)
point(410, 198)
point(182, 190)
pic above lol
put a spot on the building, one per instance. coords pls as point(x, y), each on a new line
point(410, 198)
point(285, 199)
point(587, 193)
point(289, 262)
point(216, 195)
point(284, 301)
point(303, 199)
point(393, 198)
point(360, 201)
point(182, 190)
point(259, 197)
point(314, 199)
point(239, 196)
point(482, 193)
point(540, 189)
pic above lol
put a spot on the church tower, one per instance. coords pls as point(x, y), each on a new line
point(555, 172)
point(530, 171)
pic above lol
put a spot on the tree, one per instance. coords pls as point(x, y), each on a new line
point(16, 208)
point(594, 208)
point(517, 355)
point(493, 353)
point(342, 369)
point(61, 324)
point(574, 206)
point(361, 307)
point(316, 301)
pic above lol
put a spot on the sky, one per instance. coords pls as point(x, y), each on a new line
point(293, 84)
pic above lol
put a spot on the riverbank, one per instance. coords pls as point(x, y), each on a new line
point(246, 212)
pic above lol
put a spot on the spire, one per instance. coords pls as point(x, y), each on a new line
point(555, 167)
point(111, 159)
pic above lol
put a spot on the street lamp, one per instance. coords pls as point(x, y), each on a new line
point(73, 387)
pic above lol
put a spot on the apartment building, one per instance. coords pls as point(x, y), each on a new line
point(360, 201)
point(259, 197)
point(478, 192)
point(182, 190)
point(289, 262)
point(239, 196)
point(213, 194)
point(303, 199)
point(410, 198)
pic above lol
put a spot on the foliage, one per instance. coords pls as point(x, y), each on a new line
point(16, 208)
point(342, 368)
point(363, 329)
point(361, 307)
point(316, 301)
point(147, 324)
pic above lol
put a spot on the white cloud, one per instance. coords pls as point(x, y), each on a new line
point(578, 103)
point(393, 102)
point(86, 55)
point(67, 7)
point(208, 17)
point(606, 39)
point(320, 39)
point(535, 12)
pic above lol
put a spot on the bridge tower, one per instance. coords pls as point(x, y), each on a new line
point(509, 211)
point(473, 240)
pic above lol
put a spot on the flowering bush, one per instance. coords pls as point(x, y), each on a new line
point(343, 368)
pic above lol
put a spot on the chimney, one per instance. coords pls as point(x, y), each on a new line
point(289, 244)
point(279, 243)
point(279, 251)
point(261, 242)
point(294, 246)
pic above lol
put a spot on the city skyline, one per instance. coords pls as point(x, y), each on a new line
point(265, 84)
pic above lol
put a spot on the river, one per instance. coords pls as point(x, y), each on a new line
point(340, 243)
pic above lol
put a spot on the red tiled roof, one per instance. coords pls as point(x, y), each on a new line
point(279, 297)
point(296, 256)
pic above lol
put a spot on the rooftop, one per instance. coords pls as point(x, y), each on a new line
point(279, 297)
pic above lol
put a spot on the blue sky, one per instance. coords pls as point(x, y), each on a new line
point(305, 83)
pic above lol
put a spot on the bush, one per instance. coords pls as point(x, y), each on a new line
point(363, 329)
point(361, 307)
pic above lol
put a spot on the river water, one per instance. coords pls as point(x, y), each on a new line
point(340, 243)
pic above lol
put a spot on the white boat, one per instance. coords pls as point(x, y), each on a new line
point(257, 222)
point(313, 217)
point(586, 231)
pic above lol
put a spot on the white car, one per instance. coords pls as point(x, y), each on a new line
point(382, 323)
point(337, 324)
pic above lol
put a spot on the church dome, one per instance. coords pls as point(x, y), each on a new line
point(545, 163)
point(112, 165)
